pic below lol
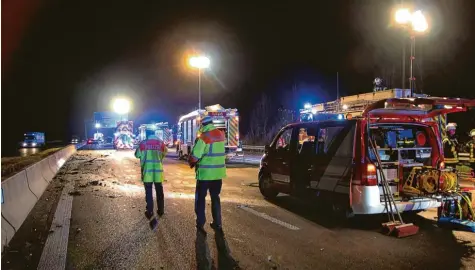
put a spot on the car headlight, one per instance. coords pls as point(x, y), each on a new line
point(24, 144)
point(33, 144)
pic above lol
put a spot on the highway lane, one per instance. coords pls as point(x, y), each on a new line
point(108, 228)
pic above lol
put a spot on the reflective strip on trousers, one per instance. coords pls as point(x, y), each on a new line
point(152, 171)
point(212, 166)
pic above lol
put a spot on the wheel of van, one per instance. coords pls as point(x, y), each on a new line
point(265, 187)
point(341, 212)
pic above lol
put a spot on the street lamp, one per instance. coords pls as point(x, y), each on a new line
point(414, 22)
point(121, 106)
point(199, 62)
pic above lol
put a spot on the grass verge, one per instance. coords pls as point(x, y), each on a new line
point(12, 165)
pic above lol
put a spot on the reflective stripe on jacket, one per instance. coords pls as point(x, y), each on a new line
point(151, 153)
point(209, 154)
point(471, 149)
point(450, 151)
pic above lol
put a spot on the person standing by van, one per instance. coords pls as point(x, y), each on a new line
point(451, 145)
point(470, 147)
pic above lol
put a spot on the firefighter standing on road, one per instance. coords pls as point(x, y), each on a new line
point(470, 147)
point(151, 153)
point(208, 155)
point(451, 145)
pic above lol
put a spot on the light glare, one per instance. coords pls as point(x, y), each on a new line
point(419, 22)
point(121, 106)
point(199, 62)
point(403, 16)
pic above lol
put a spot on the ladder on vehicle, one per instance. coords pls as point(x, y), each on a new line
point(355, 104)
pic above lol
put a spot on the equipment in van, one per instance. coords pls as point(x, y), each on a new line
point(393, 226)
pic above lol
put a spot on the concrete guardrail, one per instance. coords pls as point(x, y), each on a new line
point(21, 191)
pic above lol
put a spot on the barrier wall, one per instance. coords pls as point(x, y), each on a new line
point(21, 191)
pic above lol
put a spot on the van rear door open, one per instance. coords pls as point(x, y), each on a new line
point(334, 162)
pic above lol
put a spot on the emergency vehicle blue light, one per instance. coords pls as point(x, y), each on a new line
point(340, 116)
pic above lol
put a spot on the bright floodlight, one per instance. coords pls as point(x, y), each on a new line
point(403, 16)
point(419, 22)
point(98, 125)
point(307, 106)
point(199, 62)
point(121, 106)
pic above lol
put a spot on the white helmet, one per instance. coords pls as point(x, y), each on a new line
point(451, 126)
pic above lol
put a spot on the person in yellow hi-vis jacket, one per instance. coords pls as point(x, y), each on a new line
point(151, 153)
point(470, 147)
point(450, 145)
point(208, 155)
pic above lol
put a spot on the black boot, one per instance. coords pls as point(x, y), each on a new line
point(216, 227)
point(201, 230)
point(148, 215)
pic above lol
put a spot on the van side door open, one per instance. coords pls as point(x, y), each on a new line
point(282, 150)
point(304, 162)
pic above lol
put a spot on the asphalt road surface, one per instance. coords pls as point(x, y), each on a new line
point(108, 230)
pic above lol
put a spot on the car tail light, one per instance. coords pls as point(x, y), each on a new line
point(369, 175)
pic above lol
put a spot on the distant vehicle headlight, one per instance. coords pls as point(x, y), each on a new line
point(33, 144)
point(24, 144)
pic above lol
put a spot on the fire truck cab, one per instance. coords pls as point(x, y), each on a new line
point(330, 155)
point(226, 120)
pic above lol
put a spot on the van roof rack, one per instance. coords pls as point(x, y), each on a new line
point(356, 106)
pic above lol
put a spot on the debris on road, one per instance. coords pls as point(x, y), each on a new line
point(78, 230)
point(75, 193)
point(94, 183)
point(91, 160)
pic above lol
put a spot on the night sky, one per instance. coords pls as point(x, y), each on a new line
point(63, 60)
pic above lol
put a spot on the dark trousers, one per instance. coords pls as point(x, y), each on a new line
point(202, 188)
point(149, 197)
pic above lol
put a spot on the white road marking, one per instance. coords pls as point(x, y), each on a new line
point(269, 218)
point(56, 247)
